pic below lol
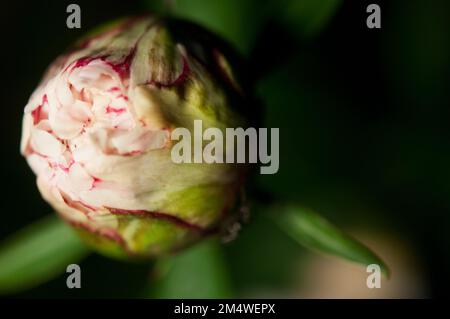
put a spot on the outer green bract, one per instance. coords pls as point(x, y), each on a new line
point(96, 132)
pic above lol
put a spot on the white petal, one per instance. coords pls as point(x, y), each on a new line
point(139, 140)
point(34, 102)
point(80, 111)
point(79, 178)
point(46, 144)
point(64, 125)
point(27, 125)
point(38, 164)
point(74, 182)
point(83, 149)
point(63, 93)
point(108, 197)
point(99, 106)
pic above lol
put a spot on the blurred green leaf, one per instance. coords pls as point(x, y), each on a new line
point(38, 253)
point(308, 17)
point(316, 233)
point(418, 62)
point(235, 20)
point(263, 261)
point(199, 272)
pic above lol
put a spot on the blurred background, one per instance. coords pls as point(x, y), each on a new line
point(364, 139)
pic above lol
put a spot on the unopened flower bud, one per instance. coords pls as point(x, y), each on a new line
point(97, 133)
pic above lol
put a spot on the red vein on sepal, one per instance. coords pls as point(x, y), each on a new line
point(158, 215)
point(107, 233)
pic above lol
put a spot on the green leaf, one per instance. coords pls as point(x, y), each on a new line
point(314, 232)
point(38, 253)
point(199, 272)
point(308, 17)
point(235, 20)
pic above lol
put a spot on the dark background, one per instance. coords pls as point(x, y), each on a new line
point(364, 127)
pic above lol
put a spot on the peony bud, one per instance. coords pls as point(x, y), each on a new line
point(96, 132)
